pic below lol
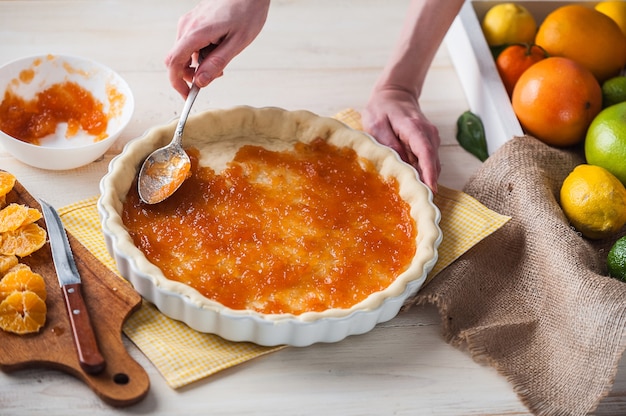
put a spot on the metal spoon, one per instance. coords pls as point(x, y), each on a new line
point(165, 169)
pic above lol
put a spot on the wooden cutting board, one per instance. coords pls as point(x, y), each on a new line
point(110, 300)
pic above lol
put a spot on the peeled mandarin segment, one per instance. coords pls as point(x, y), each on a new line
point(22, 313)
point(18, 266)
point(6, 263)
point(11, 217)
point(22, 280)
point(23, 241)
point(14, 216)
point(7, 181)
point(32, 216)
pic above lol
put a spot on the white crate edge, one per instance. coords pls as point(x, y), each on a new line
point(480, 80)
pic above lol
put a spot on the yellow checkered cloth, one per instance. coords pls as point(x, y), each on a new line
point(183, 355)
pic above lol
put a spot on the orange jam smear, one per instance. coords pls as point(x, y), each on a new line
point(294, 231)
point(31, 120)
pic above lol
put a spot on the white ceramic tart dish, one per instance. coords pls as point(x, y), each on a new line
point(218, 134)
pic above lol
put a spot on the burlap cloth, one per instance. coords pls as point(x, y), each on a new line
point(533, 299)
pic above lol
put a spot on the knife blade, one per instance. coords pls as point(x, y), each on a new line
point(89, 355)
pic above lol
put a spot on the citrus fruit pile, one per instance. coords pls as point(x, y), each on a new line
point(555, 70)
point(567, 87)
point(22, 291)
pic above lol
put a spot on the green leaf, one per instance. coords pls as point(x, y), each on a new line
point(497, 50)
point(471, 135)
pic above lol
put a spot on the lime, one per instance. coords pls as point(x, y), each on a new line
point(616, 260)
point(614, 91)
point(605, 143)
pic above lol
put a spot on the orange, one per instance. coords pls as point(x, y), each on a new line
point(585, 35)
point(605, 144)
point(22, 313)
point(555, 100)
point(514, 60)
point(20, 280)
point(23, 241)
point(14, 216)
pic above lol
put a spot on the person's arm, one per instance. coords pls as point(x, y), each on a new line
point(230, 24)
point(393, 114)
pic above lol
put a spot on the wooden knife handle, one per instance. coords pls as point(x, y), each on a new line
point(89, 356)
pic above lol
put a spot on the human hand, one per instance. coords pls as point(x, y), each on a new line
point(230, 24)
point(394, 118)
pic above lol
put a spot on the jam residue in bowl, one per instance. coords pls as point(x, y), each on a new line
point(66, 102)
point(294, 231)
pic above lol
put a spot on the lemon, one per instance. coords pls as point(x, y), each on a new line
point(616, 10)
point(614, 91)
point(605, 143)
point(594, 201)
point(616, 259)
point(507, 23)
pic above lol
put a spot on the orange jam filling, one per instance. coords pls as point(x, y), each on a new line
point(293, 231)
point(31, 120)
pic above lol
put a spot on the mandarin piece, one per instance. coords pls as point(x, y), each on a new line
point(22, 299)
point(14, 216)
point(18, 235)
point(7, 181)
point(22, 279)
point(24, 241)
point(7, 263)
point(22, 313)
point(18, 266)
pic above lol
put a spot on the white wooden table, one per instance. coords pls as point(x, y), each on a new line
point(322, 56)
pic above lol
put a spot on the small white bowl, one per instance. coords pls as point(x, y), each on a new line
point(224, 131)
point(55, 151)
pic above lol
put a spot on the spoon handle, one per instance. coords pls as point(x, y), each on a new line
point(193, 93)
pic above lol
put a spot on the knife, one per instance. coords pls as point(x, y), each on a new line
point(89, 356)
